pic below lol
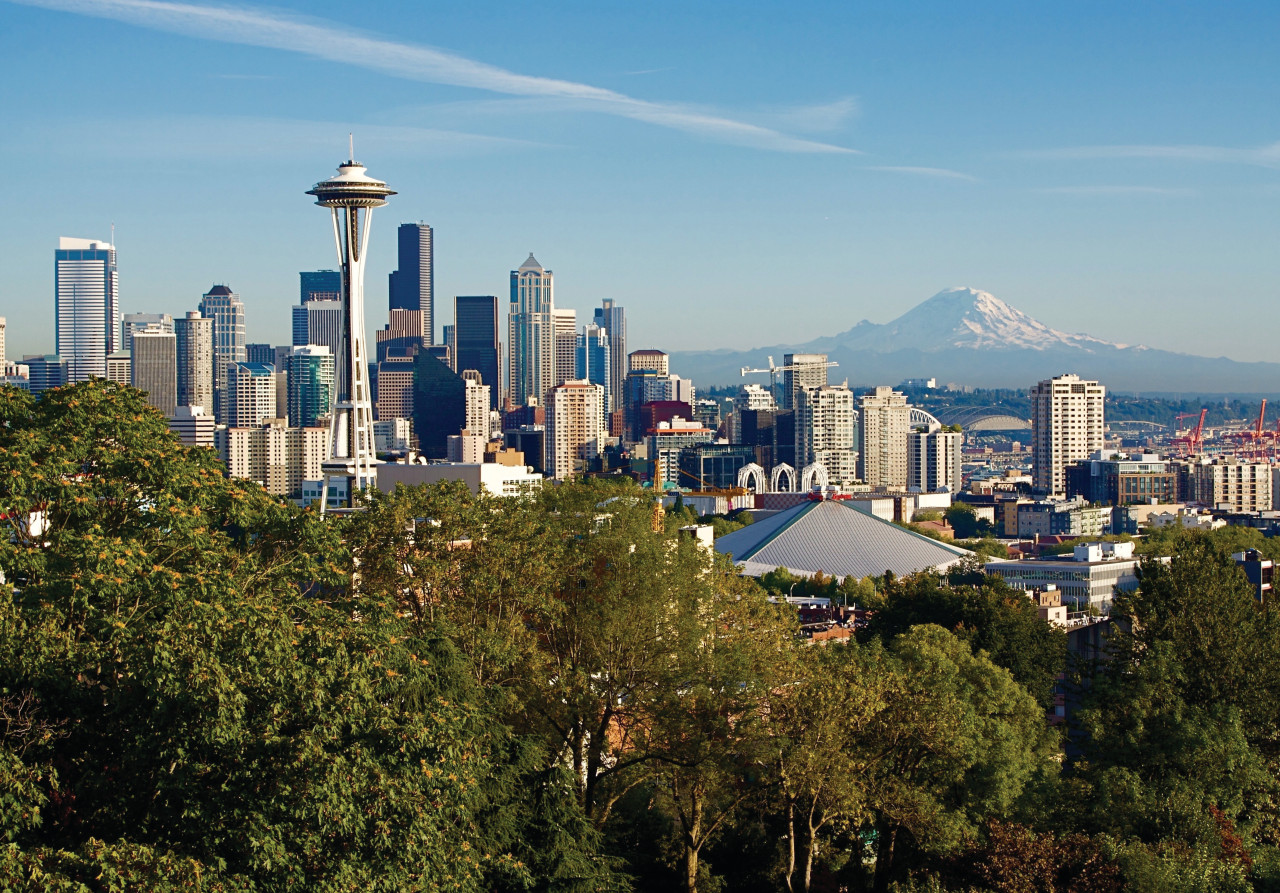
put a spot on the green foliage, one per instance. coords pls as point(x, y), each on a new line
point(991, 617)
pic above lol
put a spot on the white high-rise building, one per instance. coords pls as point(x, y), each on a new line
point(749, 397)
point(613, 320)
point(574, 431)
point(194, 334)
point(883, 424)
point(1067, 427)
point(824, 433)
point(275, 455)
point(531, 333)
point(934, 461)
point(154, 366)
point(566, 337)
point(251, 394)
point(477, 409)
point(86, 306)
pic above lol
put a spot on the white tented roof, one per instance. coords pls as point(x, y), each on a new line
point(834, 537)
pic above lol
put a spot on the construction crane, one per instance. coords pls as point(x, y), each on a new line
point(1250, 439)
point(774, 370)
point(1193, 440)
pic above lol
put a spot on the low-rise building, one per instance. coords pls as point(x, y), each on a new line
point(1071, 517)
point(1229, 484)
point(494, 477)
point(1112, 478)
point(1087, 579)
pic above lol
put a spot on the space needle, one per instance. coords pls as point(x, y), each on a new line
point(351, 453)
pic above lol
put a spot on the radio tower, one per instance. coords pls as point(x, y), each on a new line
point(351, 446)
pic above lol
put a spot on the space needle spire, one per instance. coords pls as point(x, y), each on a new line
point(351, 195)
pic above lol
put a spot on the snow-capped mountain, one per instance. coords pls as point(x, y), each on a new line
point(971, 337)
point(963, 317)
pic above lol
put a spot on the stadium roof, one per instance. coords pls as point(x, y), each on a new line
point(836, 538)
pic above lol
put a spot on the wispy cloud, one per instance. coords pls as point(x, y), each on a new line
point(649, 71)
point(825, 116)
point(237, 138)
point(325, 40)
point(941, 172)
point(1261, 156)
point(1114, 190)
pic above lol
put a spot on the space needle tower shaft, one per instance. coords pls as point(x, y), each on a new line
point(351, 196)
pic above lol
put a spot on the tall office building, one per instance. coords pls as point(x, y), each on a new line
point(404, 335)
point(136, 322)
point(592, 362)
point(395, 389)
point(3, 325)
point(154, 366)
point(86, 306)
point(225, 308)
point(566, 338)
point(258, 352)
point(194, 341)
point(320, 285)
point(475, 343)
point(613, 320)
point(824, 432)
point(934, 461)
point(649, 360)
point(315, 285)
point(531, 333)
point(311, 382)
point(251, 394)
point(884, 421)
point(439, 405)
point(808, 370)
point(412, 285)
point(1067, 426)
point(575, 433)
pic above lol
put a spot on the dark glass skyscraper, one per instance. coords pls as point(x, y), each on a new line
point(614, 321)
point(475, 340)
point(439, 405)
point(316, 285)
point(412, 285)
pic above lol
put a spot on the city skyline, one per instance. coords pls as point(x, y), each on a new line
point(1111, 166)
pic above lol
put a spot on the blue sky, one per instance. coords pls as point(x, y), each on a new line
point(734, 174)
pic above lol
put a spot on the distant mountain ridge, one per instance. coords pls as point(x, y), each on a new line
point(971, 337)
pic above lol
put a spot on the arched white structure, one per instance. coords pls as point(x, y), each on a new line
point(750, 472)
point(922, 419)
point(814, 475)
point(775, 479)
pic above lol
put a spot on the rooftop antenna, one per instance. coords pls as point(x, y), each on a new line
point(113, 234)
point(351, 145)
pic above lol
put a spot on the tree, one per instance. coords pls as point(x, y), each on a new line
point(194, 695)
point(957, 743)
point(990, 616)
point(964, 521)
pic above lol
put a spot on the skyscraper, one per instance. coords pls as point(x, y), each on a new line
point(439, 405)
point(3, 325)
point(575, 434)
point(134, 322)
point(225, 308)
point(614, 321)
point(824, 432)
point(154, 366)
point(566, 326)
point(593, 361)
point(320, 285)
point(934, 460)
point(311, 383)
point(476, 342)
point(883, 424)
point(86, 306)
point(808, 370)
point(1067, 426)
point(412, 285)
point(352, 452)
point(194, 335)
point(531, 333)
point(251, 394)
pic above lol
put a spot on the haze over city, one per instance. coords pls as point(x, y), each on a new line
point(735, 177)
